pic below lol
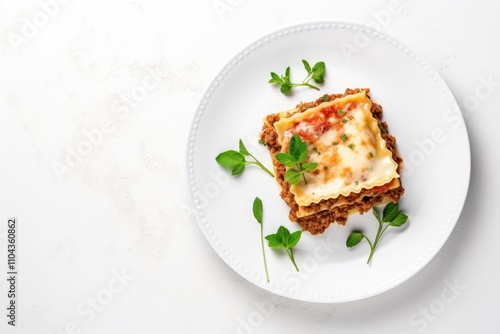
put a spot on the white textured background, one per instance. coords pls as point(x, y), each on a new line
point(106, 246)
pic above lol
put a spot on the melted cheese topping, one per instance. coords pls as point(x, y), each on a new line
point(344, 139)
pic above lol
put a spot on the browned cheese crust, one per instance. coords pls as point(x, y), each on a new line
point(318, 222)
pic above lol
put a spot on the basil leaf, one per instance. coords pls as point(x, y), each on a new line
point(400, 220)
point(353, 239)
point(283, 234)
point(286, 88)
point(275, 78)
point(273, 241)
point(238, 169)
point(390, 211)
point(286, 159)
point(287, 74)
point(294, 238)
point(283, 239)
point(309, 166)
point(237, 162)
point(292, 176)
point(306, 66)
point(391, 216)
point(257, 209)
point(230, 158)
point(318, 71)
point(243, 149)
point(257, 213)
point(303, 152)
point(298, 148)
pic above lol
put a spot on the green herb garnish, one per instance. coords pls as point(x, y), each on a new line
point(344, 137)
point(391, 217)
point(283, 239)
point(237, 162)
point(295, 160)
point(315, 73)
point(257, 213)
point(351, 146)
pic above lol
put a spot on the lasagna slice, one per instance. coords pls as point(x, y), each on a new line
point(358, 164)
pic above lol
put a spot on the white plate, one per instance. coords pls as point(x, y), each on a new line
point(422, 114)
